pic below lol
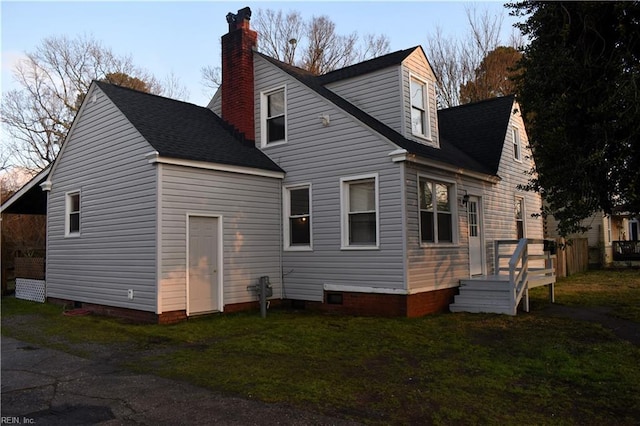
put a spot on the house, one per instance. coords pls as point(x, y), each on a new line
point(613, 240)
point(23, 235)
point(349, 190)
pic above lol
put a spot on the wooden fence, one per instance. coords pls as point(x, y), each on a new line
point(573, 256)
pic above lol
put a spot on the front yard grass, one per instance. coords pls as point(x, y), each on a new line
point(440, 369)
point(615, 288)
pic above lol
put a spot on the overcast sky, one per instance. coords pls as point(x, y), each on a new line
point(183, 37)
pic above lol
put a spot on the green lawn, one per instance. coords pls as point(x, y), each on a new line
point(440, 369)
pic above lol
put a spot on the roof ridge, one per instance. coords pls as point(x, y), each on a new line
point(344, 72)
point(494, 99)
point(117, 86)
point(374, 59)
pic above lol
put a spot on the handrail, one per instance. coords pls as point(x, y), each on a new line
point(518, 268)
point(519, 282)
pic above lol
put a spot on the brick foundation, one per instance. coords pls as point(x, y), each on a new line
point(139, 316)
point(390, 305)
point(250, 306)
point(430, 302)
point(172, 317)
point(364, 304)
point(133, 315)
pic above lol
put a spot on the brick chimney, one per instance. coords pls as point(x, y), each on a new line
point(237, 73)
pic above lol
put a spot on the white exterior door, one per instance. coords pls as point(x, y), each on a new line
point(475, 236)
point(203, 284)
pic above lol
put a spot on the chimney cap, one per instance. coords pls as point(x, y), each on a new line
point(237, 20)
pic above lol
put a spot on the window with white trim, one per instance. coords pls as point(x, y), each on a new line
point(360, 226)
point(519, 215)
point(298, 217)
point(273, 114)
point(517, 148)
point(436, 211)
point(72, 216)
point(419, 108)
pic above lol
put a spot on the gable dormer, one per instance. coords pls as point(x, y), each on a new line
point(419, 108)
point(382, 87)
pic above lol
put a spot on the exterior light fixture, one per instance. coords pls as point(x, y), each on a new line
point(465, 198)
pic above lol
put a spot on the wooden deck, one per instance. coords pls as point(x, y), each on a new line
point(503, 292)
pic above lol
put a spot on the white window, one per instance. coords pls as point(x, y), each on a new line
point(72, 215)
point(297, 228)
point(474, 222)
point(273, 117)
point(517, 149)
point(360, 226)
point(436, 211)
point(419, 108)
point(519, 214)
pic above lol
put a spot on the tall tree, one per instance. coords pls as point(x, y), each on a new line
point(313, 45)
point(52, 80)
point(457, 61)
point(125, 80)
point(493, 77)
point(278, 34)
point(579, 93)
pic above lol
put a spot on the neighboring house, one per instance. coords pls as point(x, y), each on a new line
point(349, 190)
point(614, 240)
point(23, 235)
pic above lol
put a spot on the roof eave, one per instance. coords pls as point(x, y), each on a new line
point(401, 155)
point(36, 180)
point(155, 158)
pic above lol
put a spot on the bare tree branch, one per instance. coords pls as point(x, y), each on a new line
point(455, 61)
point(313, 45)
point(53, 80)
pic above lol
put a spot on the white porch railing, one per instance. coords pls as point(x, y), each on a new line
point(519, 266)
point(528, 266)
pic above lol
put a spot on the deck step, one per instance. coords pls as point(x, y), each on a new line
point(483, 298)
point(485, 285)
point(479, 308)
point(491, 294)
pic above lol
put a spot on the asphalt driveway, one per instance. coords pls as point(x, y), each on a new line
point(43, 386)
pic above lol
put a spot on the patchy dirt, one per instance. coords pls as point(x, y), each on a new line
point(624, 329)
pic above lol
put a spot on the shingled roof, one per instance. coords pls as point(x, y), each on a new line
point(479, 129)
point(186, 131)
point(375, 64)
point(453, 147)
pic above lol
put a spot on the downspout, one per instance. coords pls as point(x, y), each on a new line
point(46, 187)
point(405, 252)
point(159, 239)
point(280, 244)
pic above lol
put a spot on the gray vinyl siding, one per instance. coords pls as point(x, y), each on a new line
point(320, 156)
point(437, 266)
point(104, 159)
point(215, 104)
point(595, 235)
point(384, 94)
point(500, 220)
point(416, 65)
point(250, 211)
point(377, 93)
